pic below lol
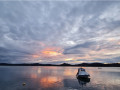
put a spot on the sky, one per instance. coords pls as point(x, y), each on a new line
point(51, 31)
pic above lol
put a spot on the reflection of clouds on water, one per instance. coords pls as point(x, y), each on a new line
point(69, 72)
point(51, 81)
point(57, 78)
point(39, 70)
point(107, 76)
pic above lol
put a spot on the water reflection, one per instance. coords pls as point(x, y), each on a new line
point(57, 78)
point(50, 81)
point(83, 81)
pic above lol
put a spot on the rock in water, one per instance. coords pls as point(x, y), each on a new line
point(23, 84)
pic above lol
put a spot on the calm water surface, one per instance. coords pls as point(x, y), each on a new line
point(58, 78)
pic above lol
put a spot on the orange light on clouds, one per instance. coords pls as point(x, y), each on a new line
point(48, 52)
point(51, 53)
point(35, 56)
point(118, 43)
point(111, 39)
point(69, 59)
point(54, 51)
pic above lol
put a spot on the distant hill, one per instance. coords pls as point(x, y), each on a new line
point(99, 64)
point(65, 64)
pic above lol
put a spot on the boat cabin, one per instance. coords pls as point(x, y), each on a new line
point(81, 69)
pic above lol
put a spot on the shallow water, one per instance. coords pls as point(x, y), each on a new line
point(58, 78)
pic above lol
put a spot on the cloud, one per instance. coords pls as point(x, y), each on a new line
point(77, 49)
point(83, 30)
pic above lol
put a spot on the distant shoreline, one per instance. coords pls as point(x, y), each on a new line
point(66, 64)
point(60, 66)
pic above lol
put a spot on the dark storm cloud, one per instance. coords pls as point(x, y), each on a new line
point(79, 27)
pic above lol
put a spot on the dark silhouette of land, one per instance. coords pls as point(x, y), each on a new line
point(65, 64)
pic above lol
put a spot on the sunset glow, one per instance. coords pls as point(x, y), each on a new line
point(59, 32)
point(51, 53)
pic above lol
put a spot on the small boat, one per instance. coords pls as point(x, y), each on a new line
point(82, 73)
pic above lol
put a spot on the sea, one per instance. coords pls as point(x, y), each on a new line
point(58, 78)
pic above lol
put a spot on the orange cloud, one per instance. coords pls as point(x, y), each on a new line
point(54, 51)
point(48, 52)
point(35, 56)
point(118, 43)
point(51, 53)
point(69, 59)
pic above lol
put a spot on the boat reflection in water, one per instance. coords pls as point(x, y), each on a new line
point(83, 81)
